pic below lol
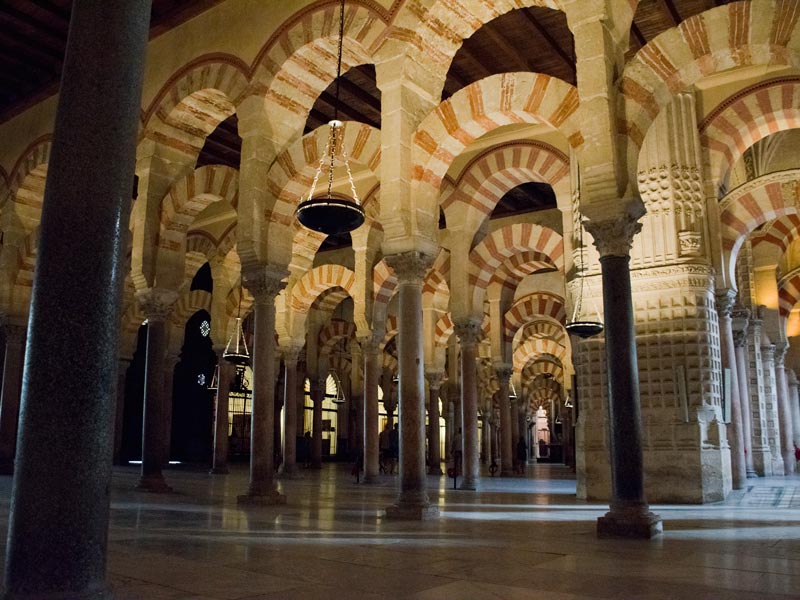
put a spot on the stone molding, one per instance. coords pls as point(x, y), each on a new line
point(264, 283)
point(468, 330)
point(410, 267)
point(157, 304)
point(614, 237)
point(725, 301)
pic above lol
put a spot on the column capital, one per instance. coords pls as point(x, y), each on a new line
point(741, 321)
point(157, 303)
point(410, 267)
point(264, 282)
point(614, 237)
point(435, 379)
point(468, 330)
point(369, 343)
point(291, 354)
point(768, 352)
point(503, 371)
point(171, 359)
point(780, 354)
point(725, 300)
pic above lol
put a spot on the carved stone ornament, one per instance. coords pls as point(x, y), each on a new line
point(157, 304)
point(410, 267)
point(468, 330)
point(263, 282)
point(690, 243)
point(614, 237)
point(726, 299)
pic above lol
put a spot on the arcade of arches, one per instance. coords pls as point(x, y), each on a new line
point(654, 175)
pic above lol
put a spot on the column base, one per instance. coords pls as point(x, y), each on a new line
point(507, 473)
point(412, 512)
point(435, 470)
point(468, 484)
point(154, 484)
point(290, 473)
point(632, 523)
point(369, 478)
point(752, 474)
point(223, 470)
point(261, 498)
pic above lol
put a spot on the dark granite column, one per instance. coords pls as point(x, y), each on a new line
point(264, 283)
point(412, 503)
point(119, 418)
point(225, 374)
point(372, 370)
point(784, 410)
point(290, 357)
point(740, 322)
point(629, 516)
point(9, 401)
point(60, 498)
point(725, 300)
point(170, 362)
point(317, 392)
point(506, 429)
point(156, 305)
point(435, 379)
point(469, 332)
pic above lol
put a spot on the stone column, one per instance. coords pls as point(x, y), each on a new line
point(157, 305)
point(784, 410)
point(290, 357)
point(225, 375)
point(119, 418)
point(9, 400)
point(372, 370)
point(740, 321)
point(435, 379)
point(58, 527)
point(170, 362)
point(263, 283)
point(506, 428)
point(771, 405)
point(794, 402)
point(412, 502)
point(317, 391)
point(725, 301)
point(762, 452)
point(469, 332)
point(629, 515)
point(450, 424)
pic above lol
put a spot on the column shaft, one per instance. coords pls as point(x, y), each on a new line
point(434, 437)
point(9, 401)
point(468, 332)
point(225, 373)
point(289, 466)
point(317, 396)
point(371, 376)
point(60, 498)
point(784, 412)
point(506, 427)
point(119, 418)
point(740, 324)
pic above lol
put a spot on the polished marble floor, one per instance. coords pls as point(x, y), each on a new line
point(515, 539)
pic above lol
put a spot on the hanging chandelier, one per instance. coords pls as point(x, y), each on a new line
point(236, 351)
point(583, 328)
point(339, 397)
point(327, 214)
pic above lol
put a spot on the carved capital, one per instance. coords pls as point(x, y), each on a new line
point(291, 354)
point(614, 237)
point(410, 267)
point(768, 353)
point(780, 354)
point(468, 330)
point(435, 379)
point(264, 282)
point(741, 320)
point(503, 371)
point(369, 343)
point(157, 304)
point(725, 299)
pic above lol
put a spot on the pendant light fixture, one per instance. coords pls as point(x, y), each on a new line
point(583, 328)
point(236, 351)
point(339, 397)
point(330, 215)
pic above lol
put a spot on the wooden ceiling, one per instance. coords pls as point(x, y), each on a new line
point(33, 35)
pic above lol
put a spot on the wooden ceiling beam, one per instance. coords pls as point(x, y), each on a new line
point(40, 27)
point(364, 96)
point(344, 109)
point(501, 44)
point(637, 33)
point(58, 12)
point(668, 7)
point(556, 47)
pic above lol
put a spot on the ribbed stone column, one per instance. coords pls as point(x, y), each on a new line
point(58, 524)
point(263, 283)
point(317, 392)
point(469, 332)
point(506, 428)
point(794, 403)
point(740, 319)
point(412, 502)
point(629, 515)
point(435, 379)
point(119, 419)
point(784, 410)
point(157, 305)
point(225, 373)
point(290, 358)
point(9, 400)
point(372, 370)
point(725, 301)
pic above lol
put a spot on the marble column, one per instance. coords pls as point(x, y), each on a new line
point(58, 528)
point(469, 332)
point(412, 502)
point(170, 362)
point(264, 283)
point(317, 391)
point(225, 375)
point(771, 409)
point(794, 402)
point(450, 427)
point(739, 322)
point(629, 515)
point(119, 416)
point(156, 305)
point(9, 397)
point(503, 371)
point(784, 410)
point(435, 379)
point(290, 358)
point(372, 370)
point(725, 301)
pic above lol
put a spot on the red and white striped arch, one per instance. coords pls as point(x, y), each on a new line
point(716, 40)
point(536, 367)
point(335, 330)
point(780, 233)
point(518, 267)
point(392, 329)
point(531, 307)
point(443, 330)
point(533, 348)
point(318, 280)
point(26, 183)
point(543, 328)
point(788, 294)
point(384, 283)
point(746, 118)
point(188, 304)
